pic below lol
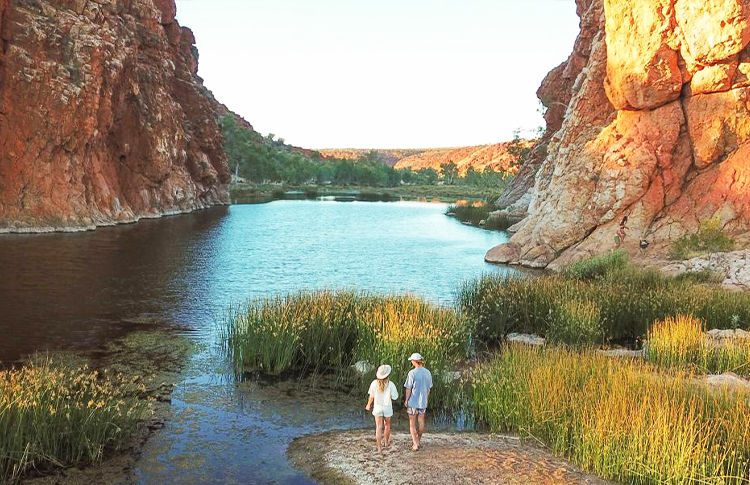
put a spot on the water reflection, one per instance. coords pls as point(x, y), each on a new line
point(72, 291)
point(76, 291)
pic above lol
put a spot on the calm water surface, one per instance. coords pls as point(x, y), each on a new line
point(78, 291)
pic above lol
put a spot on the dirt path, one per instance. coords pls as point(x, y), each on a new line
point(351, 458)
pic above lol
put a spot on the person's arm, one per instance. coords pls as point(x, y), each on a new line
point(369, 403)
point(408, 385)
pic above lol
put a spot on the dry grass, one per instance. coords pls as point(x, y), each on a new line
point(682, 342)
point(621, 420)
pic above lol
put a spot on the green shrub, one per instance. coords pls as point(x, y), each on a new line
point(500, 222)
point(709, 239)
point(470, 213)
point(311, 192)
point(704, 276)
point(629, 299)
point(278, 193)
point(598, 266)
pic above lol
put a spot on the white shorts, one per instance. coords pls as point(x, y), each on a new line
point(381, 411)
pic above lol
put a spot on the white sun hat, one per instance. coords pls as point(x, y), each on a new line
point(416, 356)
point(384, 371)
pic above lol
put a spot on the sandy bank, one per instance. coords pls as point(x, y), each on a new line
point(351, 458)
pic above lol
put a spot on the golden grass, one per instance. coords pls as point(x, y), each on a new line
point(624, 421)
point(682, 342)
point(51, 417)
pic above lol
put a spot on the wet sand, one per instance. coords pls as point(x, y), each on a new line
point(351, 458)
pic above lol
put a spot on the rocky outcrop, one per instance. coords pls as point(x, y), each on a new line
point(655, 129)
point(103, 118)
point(733, 268)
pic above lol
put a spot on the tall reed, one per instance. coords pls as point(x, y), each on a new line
point(629, 300)
point(51, 417)
point(620, 420)
point(329, 331)
point(682, 342)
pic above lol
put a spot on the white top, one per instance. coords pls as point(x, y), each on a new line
point(382, 400)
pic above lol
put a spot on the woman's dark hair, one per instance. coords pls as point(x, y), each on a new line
point(624, 221)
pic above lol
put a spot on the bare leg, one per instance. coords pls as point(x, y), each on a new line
point(413, 432)
point(387, 432)
point(421, 426)
point(379, 432)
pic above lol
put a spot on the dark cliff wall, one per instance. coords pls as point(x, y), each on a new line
point(103, 118)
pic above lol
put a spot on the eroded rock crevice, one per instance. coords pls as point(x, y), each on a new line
point(656, 130)
point(104, 118)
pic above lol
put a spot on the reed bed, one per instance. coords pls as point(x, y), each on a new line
point(52, 417)
point(623, 421)
point(627, 300)
point(330, 331)
point(471, 213)
point(682, 342)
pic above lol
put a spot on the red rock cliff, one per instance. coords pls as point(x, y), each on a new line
point(103, 118)
point(653, 123)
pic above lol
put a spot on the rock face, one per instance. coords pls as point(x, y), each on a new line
point(655, 127)
point(733, 267)
point(103, 118)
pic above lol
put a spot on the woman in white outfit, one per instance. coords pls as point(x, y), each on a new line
point(382, 394)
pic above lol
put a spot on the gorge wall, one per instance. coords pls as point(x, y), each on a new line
point(103, 118)
point(650, 119)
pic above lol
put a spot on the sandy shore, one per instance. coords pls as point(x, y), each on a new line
point(351, 458)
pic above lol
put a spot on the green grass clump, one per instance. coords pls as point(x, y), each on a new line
point(682, 342)
point(621, 420)
point(576, 323)
point(473, 214)
point(598, 266)
point(629, 300)
point(704, 276)
point(324, 331)
point(709, 239)
point(500, 222)
point(52, 417)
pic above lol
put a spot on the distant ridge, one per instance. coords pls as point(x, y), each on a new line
point(496, 157)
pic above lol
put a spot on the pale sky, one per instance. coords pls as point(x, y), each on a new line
point(381, 73)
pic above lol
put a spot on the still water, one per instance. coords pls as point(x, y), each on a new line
point(78, 291)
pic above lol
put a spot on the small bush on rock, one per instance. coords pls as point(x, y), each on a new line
point(709, 239)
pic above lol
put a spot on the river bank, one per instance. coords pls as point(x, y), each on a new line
point(350, 458)
point(256, 194)
point(154, 357)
